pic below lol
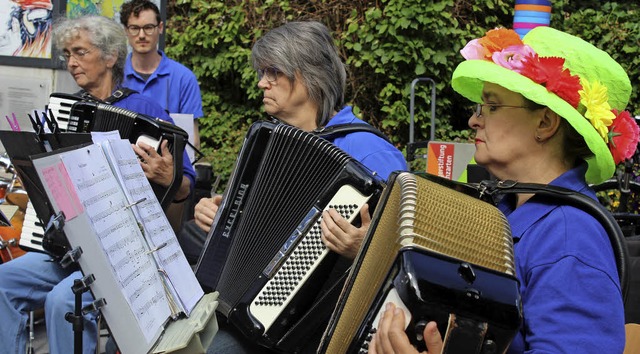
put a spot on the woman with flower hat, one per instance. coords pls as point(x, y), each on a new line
point(549, 111)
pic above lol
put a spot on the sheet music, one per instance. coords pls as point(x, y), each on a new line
point(159, 234)
point(120, 237)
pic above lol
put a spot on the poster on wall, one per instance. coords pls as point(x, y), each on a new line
point(25, 32)
point(26, 25)
point(108, 8)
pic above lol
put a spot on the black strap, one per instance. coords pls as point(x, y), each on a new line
point(334, 131)
point(555, 195)
point(117, 95)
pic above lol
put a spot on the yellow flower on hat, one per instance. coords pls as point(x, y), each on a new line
point(595, 99)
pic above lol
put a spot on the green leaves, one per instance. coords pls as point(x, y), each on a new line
point(386, 44)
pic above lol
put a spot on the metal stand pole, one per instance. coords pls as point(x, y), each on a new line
point(75, 318)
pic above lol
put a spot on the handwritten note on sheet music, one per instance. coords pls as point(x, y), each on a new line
point(156, 226)
point(57, 181)
point(119, 236)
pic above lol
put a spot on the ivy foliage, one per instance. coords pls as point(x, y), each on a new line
point(386, 44)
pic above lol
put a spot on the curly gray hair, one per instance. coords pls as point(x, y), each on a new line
point(104, 33)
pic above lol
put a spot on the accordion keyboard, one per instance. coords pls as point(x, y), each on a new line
point(32, 231)
point(303, 259)
point(60, 105)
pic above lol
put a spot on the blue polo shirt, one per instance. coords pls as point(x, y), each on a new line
point(372, 151)
point(172, 85)
point(569, 282)
point(144, 105)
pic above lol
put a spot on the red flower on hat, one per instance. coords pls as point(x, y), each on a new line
point(623, 136)
point(550, 73)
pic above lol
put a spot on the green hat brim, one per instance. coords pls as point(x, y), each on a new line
point(469, 78)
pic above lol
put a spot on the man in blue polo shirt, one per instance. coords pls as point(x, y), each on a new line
point(150, 72)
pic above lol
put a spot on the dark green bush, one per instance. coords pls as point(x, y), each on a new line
point(386, 45)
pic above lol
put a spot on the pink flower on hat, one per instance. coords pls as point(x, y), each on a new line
point(474, 50)
point(513, 57)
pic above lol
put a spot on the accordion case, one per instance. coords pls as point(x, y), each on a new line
point(264, 254)
point(439, 253)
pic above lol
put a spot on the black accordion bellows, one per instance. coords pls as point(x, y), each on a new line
point(87, 116)
point(264, 254)
point(441, 254)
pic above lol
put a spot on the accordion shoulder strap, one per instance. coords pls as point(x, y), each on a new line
point(117, 95)
point(558, 195)
point(334, 131)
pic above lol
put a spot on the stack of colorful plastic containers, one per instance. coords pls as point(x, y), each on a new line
point(530, 14)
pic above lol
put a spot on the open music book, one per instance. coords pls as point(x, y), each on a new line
point(113, 216)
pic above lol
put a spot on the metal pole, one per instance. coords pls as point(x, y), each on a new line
point(412, 108)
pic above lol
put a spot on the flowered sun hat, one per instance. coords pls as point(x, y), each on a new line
point(580, 82)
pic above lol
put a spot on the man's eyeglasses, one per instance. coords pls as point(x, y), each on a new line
point(270, 73)
point(492, 107)
point(78, 54)
point(148, 29)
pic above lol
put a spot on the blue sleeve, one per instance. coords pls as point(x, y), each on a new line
point(191, 101)
point(384, 162)
point(375, 153)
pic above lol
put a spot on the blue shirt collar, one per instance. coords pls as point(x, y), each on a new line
point(343, 117)
point(162, 69)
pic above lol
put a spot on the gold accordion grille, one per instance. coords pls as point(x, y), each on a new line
point(414, 211)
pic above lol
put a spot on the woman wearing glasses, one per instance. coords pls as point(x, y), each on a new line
point(550, 113)
point(94, 49)
point(303, 80)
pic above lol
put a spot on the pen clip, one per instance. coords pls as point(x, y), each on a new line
point(135, 203)
point(156, 249)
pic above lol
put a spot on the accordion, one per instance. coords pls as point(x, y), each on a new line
point(441, 254)
point(76, 116)
point(264, 253)
point(72, 114)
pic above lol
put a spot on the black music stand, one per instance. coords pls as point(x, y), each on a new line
point(21, 146)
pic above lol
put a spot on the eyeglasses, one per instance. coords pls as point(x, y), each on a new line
point(270, 73)
point(492, 107)
point(135, 30)
point(78, 54)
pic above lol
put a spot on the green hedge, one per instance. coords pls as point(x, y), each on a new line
point(386, 45)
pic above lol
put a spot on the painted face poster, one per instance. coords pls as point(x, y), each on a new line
point(25, 28)
point(108, 8)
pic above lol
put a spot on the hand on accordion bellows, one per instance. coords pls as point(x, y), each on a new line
point(205, 211)
point(158, 168)
point(340, 236)
point(392, 339)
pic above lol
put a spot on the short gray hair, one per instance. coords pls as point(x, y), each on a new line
point(308, 49)
point(104, 33)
